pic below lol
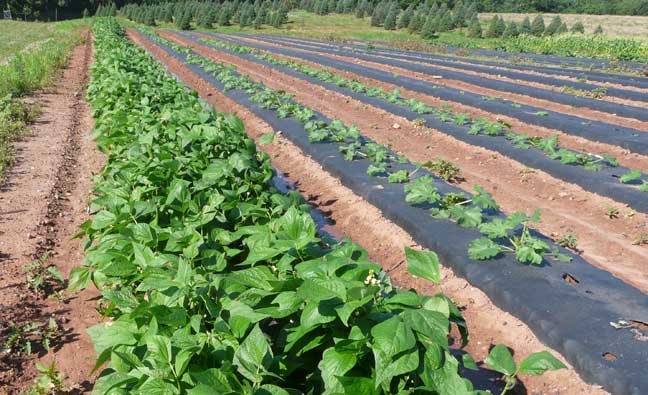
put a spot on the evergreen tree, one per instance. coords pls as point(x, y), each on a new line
point(458, 18)
point(511, 30)
point(501, 26)
point(149, 19)
point(578, 27)
point(349, 6)
point(538, 26)
point(525, 26)
point(339, 7)
point(598, 30)
point(282, 16)
point(406, 17)
point(417, 22)
point(168, 13)
point(491, 31)
point(375, 16)
point(361, 10)
point(553, 26)
point(562, 29)
point(444, 23)
point(185, 21)
point(392, 16)
point(260, 18)
point(475, 30)
point(225, 16)
point(428, 30)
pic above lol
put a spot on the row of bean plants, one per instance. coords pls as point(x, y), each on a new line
point(213, 282)
point(510, 235)
point(548, 145)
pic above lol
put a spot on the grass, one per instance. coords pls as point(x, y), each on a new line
point(33, 54)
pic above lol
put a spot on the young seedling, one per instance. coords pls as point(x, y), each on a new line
point(569, 240)
point(502, 236)
point(444, 169)
point(43, 278)
point(612, 212)
point(49, 381)
point(631, 176)
point(536, 364)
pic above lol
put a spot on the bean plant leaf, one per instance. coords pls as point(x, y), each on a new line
point(267, 138)
point(254, 355)
point(423, 264)
point(500, 359)
point(540, 362)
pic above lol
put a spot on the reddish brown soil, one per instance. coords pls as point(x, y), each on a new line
point(625, 157)
point(354, 217)
point(566, 207)
point(41, 207)
point(523, 99)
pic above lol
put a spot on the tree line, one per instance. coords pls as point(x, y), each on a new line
point(61, 9)
point(209, 13)
point(497, 28)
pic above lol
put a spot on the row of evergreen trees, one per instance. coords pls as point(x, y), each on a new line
point(426, 18)
point(104, 10)
point(497, 28)
point(207, 13)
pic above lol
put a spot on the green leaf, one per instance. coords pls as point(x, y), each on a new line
point(423, 264)
point(267, 138)
point(527, 254)
point(79, 279)
point(500, 359)
point(398, 177)
point(483, 248)
point(632, 175)
point(103, 219)
point(421, 190)
point(156, 386)
point(468, 362)
point(392, 336)
point(335, 363)
point(317, 289)
point(540, 362)
point(254, 355)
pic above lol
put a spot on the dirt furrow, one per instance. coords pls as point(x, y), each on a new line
point(42, 205)
point(567, 208)
point(352, 216)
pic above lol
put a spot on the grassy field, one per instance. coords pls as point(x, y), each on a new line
point(18, 36)
point(31, 55)
point(613, 25)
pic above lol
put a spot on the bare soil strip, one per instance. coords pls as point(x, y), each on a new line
point(625, 157)
point(352, 216)
point(41, 207)
point(566, 208)
point(523, 99)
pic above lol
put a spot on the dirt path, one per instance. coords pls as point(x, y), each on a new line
point(460, 85)
point(566, 208)
point(625, 157)
point(41, 207)
point(352, 216)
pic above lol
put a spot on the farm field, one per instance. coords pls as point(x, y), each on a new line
point(233, 211)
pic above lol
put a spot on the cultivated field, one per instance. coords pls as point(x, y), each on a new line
point(284, 214)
